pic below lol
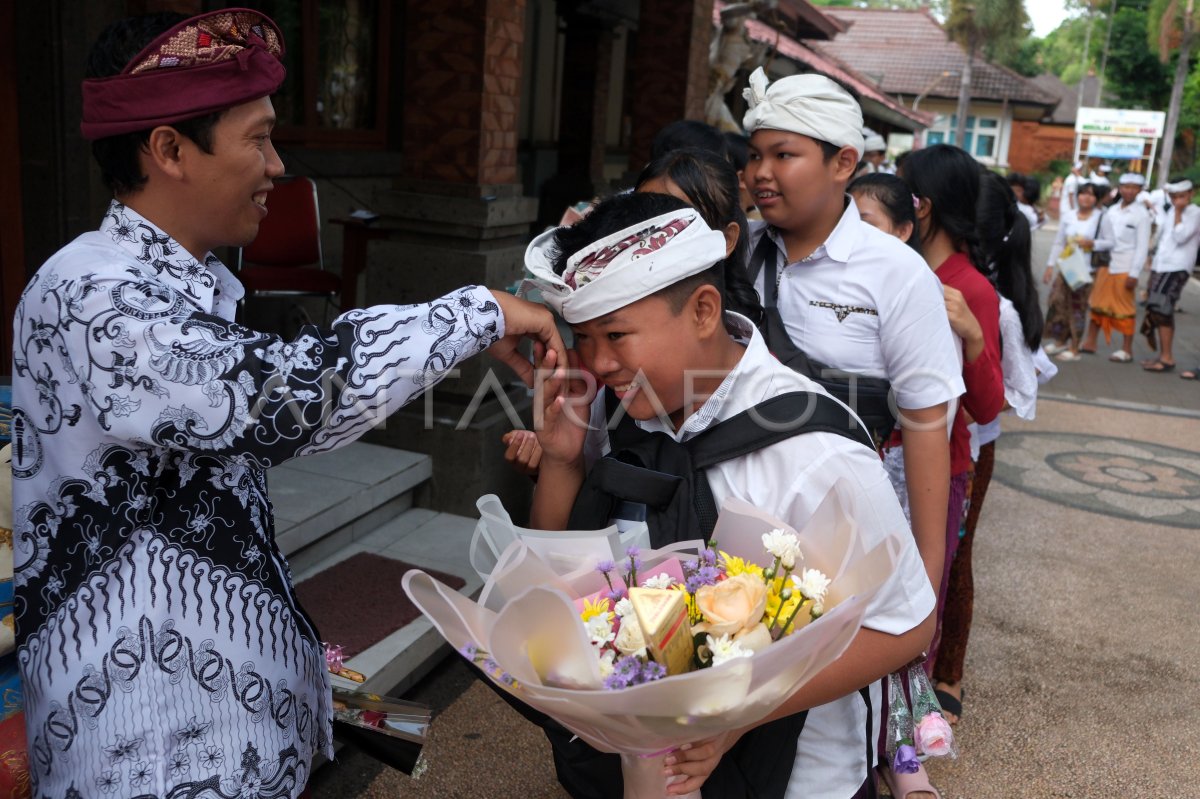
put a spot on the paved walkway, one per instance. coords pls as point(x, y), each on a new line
point(1083, 673)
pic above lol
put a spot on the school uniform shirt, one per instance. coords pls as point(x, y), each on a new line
point(984, 397)
point(789, 480)
point(1070, 190)
point(1071, 226)
point(1020, 377)
point(1125, 231)
point(161, 645)
point(1178, 243)
point(867, 303)
point(1030, 215)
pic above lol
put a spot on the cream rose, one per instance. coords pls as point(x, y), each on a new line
point(630, 640)
point(731, 605)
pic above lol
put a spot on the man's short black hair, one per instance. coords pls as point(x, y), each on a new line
point(113, 50)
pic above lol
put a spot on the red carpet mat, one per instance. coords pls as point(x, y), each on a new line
point(359, 602)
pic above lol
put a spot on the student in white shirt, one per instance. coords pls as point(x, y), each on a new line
point(1125, 233)
point(1178, 241)
point(1070, 187)
point(1067, 310)
point(640, 337)
point(854, 298)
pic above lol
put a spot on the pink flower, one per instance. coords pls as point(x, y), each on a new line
point(934, 736)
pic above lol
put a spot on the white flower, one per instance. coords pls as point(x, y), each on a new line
point(630, 640)
point(783, 545)
point(623, 607)
point(812, 583)
point(606, 663)
point(725, 648)
point(662, 580)
point(599, 630)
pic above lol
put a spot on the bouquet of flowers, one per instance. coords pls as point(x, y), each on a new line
point(638, 652)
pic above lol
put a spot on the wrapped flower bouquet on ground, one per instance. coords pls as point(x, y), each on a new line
point(639, 651)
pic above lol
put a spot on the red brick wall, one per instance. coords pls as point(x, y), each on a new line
point(1035, 145)
point(670, 68)
point(462, 89)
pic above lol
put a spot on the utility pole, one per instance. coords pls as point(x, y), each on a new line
point(1181, 72)
point(1087, 44)
point(1112, 13)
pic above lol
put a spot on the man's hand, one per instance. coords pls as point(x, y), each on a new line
point(964, 323)
point(1048, 275)
point(523, 319)
point(562, 410)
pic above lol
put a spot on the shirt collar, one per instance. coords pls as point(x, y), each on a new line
point(206, 285)
point(841, 241)
point(714, 409)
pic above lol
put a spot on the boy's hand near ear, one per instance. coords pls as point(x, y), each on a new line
point(561, 414)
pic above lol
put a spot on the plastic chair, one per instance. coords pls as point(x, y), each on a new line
point(285, 259)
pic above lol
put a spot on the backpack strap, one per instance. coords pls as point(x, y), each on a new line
point(769, 422)
point(766, 256)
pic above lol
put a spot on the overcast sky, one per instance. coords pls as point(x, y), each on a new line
point(1046, 15)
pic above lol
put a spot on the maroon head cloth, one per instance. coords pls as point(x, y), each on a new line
point(203, 64)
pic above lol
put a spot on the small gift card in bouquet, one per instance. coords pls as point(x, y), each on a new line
point(390, 730)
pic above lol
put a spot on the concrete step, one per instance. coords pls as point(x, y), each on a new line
point(324, 503)
point(424, 538)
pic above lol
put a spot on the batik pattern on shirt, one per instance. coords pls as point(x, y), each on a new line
point(163, 650)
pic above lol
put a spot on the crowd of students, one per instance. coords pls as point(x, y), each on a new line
point(916, 288)
point(1121, 233)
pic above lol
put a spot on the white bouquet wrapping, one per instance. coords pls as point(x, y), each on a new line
point(526, 629)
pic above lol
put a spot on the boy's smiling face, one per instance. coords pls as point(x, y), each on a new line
point(790, 179)
point(646, 350)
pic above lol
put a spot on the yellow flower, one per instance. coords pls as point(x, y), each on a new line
point(735, 566)
point(694, 614)
point(596, 607)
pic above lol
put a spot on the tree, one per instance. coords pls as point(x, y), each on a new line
point(1135, 77)
point(1175, 28)
point(982, 25)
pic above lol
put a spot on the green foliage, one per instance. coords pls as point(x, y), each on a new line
point(938, 6)
point(999, 26)
point(1135, 78)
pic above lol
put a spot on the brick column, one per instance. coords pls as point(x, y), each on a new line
point(670, 75)
point(457, 216)
point(462, 89)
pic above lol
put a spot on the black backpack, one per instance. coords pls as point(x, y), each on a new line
point(656, 475)
point(666, 479)
point(869, 397)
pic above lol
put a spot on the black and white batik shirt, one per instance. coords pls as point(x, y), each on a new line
point(163, 650)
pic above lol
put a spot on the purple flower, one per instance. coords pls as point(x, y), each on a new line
point(708, 557)
point(490, 665)
point(605, 566)
point(631, 670)
point(632, 552)
point(653, 671)
point(906, 761)
point(469, 651)
point(616, 595)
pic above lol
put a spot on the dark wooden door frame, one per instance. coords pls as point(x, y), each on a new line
point(12, 236)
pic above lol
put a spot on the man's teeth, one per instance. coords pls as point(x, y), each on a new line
point(260, 198)
point(626, 387)
point(762, 195)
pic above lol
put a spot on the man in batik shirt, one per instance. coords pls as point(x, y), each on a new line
point(162, 647)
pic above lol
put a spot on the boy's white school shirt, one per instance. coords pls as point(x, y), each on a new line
point(867, 303)
point(789, 480)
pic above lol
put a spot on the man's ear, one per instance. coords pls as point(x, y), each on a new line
point(164, 149)
point(705, 308)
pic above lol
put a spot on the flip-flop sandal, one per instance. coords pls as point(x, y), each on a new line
point(1082, 351)
point(949, 702)
point(1190, 374)
point(1159, 366)
point(1120, 356)
point(901, 786)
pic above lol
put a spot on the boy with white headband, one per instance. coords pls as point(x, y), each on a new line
point(1178, 240)
point(635, 280)
point(858, 300)
point(1125, 233)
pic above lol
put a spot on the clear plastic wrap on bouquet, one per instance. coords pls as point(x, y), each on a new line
point(527, 621)
point(933, 734)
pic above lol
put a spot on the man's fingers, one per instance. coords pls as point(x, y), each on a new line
point(506, 351)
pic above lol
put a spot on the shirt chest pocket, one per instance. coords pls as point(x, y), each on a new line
point(847, 325)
